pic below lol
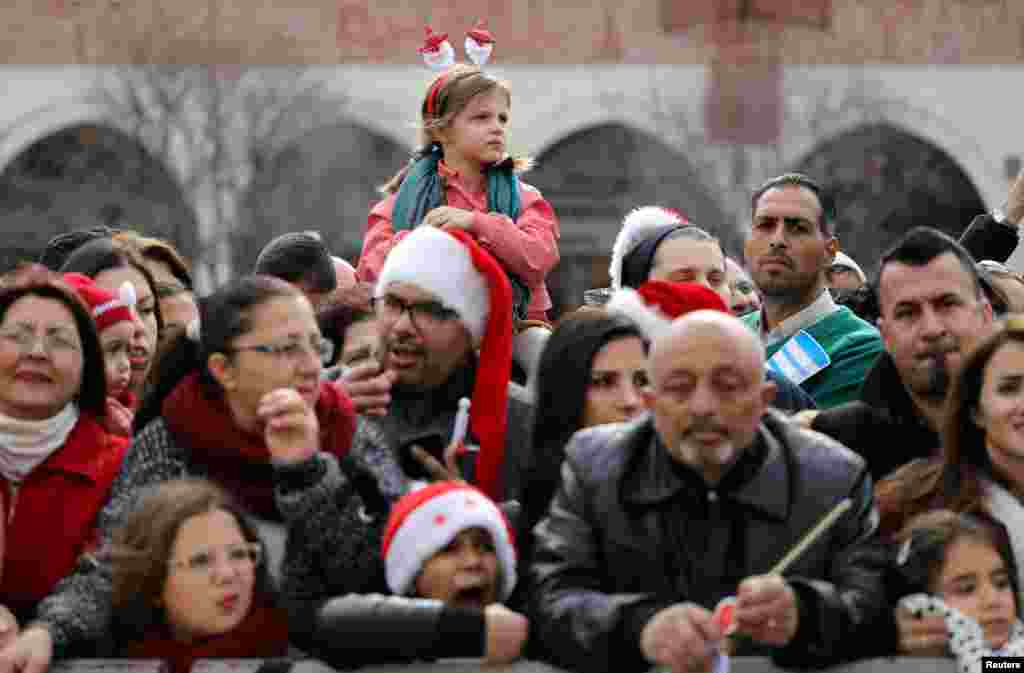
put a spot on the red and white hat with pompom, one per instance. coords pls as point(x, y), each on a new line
point(426, 521)
point(655, 304)
point(107, 308)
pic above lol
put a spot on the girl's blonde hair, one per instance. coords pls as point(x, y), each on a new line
point(448, 94)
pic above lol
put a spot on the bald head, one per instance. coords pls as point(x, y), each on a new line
point(708, 390)
point(690, 334)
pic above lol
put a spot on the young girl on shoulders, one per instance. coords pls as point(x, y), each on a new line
point(462, 177)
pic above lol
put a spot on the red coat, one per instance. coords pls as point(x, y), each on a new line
point(527, 247)
point(53, 520)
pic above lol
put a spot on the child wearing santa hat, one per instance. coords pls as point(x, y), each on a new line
point(449, 559)
point(116, 323)
point(462, 178)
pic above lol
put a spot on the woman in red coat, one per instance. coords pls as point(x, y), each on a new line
point(56, 460)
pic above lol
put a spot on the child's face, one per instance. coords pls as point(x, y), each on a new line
point(465, 573)
point(975, 581)
point(211, 577)
point(477, 133)
point(116, 342)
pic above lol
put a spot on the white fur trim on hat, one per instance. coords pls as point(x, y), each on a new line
point(432, 526)
point(628, 302)
point(842, 259)
point(438, 263)
point(125, 297)
point(635, 227)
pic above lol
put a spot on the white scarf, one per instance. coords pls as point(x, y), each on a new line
point(1006, 508)
point(26, 444)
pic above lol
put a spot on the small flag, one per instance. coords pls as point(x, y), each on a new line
point(800, 358)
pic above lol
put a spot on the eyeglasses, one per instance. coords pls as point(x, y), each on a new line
point(54, 340)
point(293, 349)
point(238, 556)
point(421, 313)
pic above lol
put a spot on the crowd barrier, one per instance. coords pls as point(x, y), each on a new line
point(739, 665)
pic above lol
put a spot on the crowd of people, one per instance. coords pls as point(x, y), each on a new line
point(408, 458)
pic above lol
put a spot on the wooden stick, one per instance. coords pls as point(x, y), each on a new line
point(826, 522)
point(794, 553)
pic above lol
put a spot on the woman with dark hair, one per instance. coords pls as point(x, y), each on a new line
point(57, 462)
point(980, 470)
point(111, 264)
point(190, 580)
point(592, 371)
point(239, 401)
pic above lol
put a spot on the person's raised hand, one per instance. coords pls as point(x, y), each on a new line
point(30, 652)
point(290, 426)
point(369, 388)
point(1015, 201)
point(921, 636)
point(449, 217)
point(766, 610)
point(8, 627)
point(507, 632)
point(683, 637)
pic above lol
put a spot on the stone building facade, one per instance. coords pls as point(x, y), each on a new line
point(910, 109)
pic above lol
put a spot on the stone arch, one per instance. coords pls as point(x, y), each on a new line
point(594, 176)
point(326, 180)
point(886, 181)
point(84, 175)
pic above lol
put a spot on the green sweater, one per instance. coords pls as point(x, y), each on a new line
point(852, 345)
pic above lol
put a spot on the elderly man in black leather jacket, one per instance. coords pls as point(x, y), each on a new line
point(658, 520)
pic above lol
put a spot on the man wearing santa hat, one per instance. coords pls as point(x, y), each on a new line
point(444, 318)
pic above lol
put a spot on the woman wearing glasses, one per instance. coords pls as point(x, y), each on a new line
point(239, 401)
point(189, 581)
point(57, 462)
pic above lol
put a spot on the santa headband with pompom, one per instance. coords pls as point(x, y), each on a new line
point(438, 54)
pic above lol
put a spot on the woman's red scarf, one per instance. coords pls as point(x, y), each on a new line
point(263, 634)
point(239, 460)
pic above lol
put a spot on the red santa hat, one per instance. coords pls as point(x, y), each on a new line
point(655, 304)
point(466, 278)
point(107, 308)
point(426, 521)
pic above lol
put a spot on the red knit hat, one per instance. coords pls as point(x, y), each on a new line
point(656, 303)
point(106, 307)
point(425, 521)
point(467, 279)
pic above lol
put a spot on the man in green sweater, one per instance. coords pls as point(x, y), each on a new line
point(808, 337)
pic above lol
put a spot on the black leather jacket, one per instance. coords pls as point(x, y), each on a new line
point(631, 532)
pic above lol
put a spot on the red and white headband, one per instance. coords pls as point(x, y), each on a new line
point(438, 54)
